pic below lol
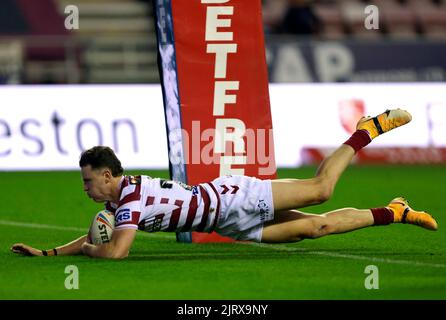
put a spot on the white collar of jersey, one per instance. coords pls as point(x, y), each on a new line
point(115, 205)
point(120, 182)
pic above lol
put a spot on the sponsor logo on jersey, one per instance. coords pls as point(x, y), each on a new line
point(185, 186)
point(123, 215)
point(153, 224)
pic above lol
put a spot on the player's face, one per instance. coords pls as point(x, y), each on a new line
point(95, 183)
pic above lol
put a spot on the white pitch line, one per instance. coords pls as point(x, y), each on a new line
point(40, 226)
point(52, 227)
point(261, 245)
point(347, 256)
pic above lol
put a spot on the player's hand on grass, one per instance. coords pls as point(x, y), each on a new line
point(21, 248)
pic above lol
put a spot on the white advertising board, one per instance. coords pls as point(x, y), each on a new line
point(325, 115)
point(47, 127)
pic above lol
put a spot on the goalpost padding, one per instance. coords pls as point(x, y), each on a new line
point(211, 58)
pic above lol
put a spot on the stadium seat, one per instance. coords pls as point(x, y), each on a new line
point(331, 20)
point(115, 41)
point(11, 62)
point(273, 13)
point(12, 20)
point(121, 40)
point(431, 19)
point(399, 21)
point(41, 30)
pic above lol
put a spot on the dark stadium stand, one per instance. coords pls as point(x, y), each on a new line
point(345, 18)
point(116, 40)
point(39, 28)
point(12, 20)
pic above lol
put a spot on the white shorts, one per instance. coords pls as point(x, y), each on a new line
point(246, 204)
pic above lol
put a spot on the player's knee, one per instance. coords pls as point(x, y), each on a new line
point(324, 190)
point(325, 195)
point(319, 228)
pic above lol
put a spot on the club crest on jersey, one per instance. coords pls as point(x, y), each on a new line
point(135, 179)
point(123, 215)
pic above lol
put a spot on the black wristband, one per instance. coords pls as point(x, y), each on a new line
point(55, 251)
point(44, 253)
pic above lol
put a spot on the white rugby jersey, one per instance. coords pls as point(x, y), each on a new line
point(154, 204)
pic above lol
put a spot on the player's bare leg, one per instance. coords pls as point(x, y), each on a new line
point(295, 193)
point(293, 225)
point(298, 193)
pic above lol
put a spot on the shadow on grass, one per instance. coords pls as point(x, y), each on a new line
point(209, 255)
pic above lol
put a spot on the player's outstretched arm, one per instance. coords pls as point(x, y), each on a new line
point(117, 248)
point(71, 248)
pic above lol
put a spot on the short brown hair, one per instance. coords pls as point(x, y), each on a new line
point(101, 157)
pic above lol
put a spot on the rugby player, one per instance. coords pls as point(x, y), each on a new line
point(240, 207)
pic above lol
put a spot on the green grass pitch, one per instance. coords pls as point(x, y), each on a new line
point(47, 209)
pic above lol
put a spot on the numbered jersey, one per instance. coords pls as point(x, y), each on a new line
point(153, 204)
